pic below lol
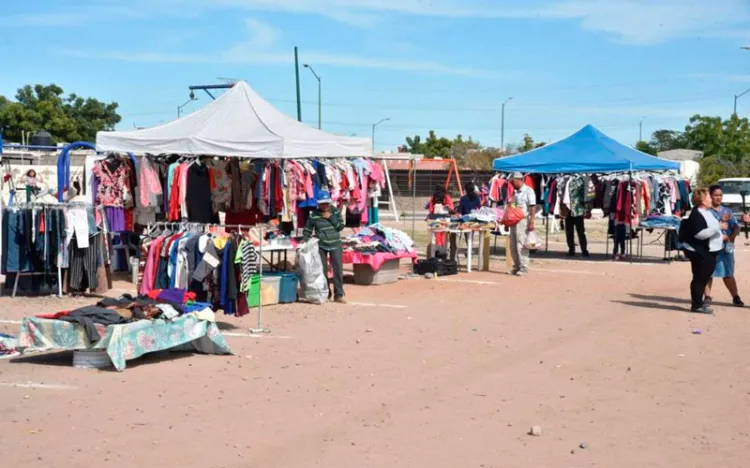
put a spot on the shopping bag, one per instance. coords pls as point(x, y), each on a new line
point(532, 241)
point(313, 282)
point(513, 215)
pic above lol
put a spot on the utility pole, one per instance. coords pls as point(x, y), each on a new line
point(373, 132)
point(502, 125)
point(736, 97)
point(320, 102)
point(296, 73)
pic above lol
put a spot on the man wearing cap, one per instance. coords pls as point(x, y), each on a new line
point(326, 224)
point(524, 198)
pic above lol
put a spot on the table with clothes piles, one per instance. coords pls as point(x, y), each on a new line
point(376, 252)
point(47, 239)
point(127, 328)
point(670, 227)
point(248, 192)
point(446, 233)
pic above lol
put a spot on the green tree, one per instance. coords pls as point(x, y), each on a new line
point(481, 159)
point(528, 144)
point(728, 139)
point(66, 118)
point(666, 140)
point(646, 147)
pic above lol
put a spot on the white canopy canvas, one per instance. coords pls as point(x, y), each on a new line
point(239, 123)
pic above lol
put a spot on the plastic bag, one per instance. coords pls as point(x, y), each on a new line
point(313, 282)
point(532, 241)
point(513, 215)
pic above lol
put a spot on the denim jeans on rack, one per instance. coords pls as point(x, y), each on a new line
point(18, 255)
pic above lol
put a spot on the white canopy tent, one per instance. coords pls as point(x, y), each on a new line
point(239, 123)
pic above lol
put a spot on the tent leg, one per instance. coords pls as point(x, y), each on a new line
point(546, 235)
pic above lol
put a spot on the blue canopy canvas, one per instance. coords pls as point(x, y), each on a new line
point(586, 151)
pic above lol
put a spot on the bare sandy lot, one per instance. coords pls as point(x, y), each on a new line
point(422, 373)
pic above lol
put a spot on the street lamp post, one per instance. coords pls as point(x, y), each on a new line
point(736, 97)
point(320, 103)
point(373, 132)
point(502, 125)
point(179, 108)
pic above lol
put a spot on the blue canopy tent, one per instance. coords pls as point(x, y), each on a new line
point(586, 151)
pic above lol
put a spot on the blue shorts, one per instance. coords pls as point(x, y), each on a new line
point(724, 265)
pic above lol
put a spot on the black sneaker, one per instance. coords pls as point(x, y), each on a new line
point(571, 253)
point(704, 309)
point(738, 302)
point(708, 300)
point(586, 254)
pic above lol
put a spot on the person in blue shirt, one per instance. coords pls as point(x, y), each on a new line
point(725, 261)
point(469, 202)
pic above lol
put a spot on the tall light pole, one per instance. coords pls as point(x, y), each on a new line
point(320, 103)
point(179, 108)
point(373, 132)
point(737, 96)
point(640, 129)
point(502, 125)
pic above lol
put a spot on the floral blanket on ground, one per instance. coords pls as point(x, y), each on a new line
point(124, 342)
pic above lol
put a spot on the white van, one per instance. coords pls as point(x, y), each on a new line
point(733, 189)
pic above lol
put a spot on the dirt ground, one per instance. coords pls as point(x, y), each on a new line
point(448, 373)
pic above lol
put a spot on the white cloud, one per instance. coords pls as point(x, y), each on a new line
point(627, 21)
point(237, 56)
point(259, 49)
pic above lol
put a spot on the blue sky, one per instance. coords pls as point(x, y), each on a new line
point(426, 64)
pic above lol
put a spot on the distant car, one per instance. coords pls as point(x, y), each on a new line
point(733, 189)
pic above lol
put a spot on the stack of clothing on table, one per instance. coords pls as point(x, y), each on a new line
point(159, 304)
point(484, 217)
point(661, 222)
point(378, 238)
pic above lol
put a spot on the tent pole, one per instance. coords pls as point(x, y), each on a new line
point(414, 199)
point(546, 234)
point(260, 328)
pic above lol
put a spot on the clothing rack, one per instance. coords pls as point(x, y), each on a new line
point(260, 227)
point(46, 206)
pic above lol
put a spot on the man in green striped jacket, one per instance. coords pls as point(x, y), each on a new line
point(326, 224)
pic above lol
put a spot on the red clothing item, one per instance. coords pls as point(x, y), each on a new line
point(448, 203)
point(174, 194)
point(55, 315)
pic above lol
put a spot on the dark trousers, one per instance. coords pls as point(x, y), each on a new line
point(575, 222)
point(703, 263)
point(337, 263)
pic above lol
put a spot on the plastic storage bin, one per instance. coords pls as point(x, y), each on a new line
point(388, 273)
point(268, 293)
point(288, 286)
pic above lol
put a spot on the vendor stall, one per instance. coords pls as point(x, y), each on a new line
point(590, 170)
point(127, 328)
point(473, 229)
point(376, 252)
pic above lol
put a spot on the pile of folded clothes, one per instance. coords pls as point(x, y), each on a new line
point(661, 222)
point(378, 238)
point(483, 218)
point(166, 304)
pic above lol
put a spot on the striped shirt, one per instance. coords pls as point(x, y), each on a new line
point(326, 230)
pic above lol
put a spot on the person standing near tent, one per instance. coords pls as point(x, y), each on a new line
point(700, 235)
point(326, 224)
point(525, 199)
point(725, 260)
